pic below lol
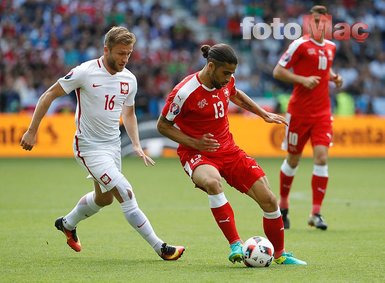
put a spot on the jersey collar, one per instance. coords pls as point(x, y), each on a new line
point(205, 87)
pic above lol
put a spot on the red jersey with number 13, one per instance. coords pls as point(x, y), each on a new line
point(197, 110)
point(308, 57)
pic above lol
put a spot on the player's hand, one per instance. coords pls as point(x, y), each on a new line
point(146, 159)
point(207, 143)
point(338, 81)
point(274, 118)
point(311, 82)
point(28, 140)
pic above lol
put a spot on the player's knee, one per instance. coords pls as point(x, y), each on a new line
point(321, 159)
point(292, 161)
point(124, 190)
point(271, 203)
point(212, 185)
point(104, 199)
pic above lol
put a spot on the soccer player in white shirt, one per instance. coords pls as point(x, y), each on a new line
point(105, 91)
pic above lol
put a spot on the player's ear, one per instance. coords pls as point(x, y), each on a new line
point(211, 66)
point(105, 49)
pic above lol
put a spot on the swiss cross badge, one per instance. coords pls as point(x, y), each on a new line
point(123, 88)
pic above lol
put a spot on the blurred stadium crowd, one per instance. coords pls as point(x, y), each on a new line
point(41, 41)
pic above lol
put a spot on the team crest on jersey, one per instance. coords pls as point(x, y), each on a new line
point(69, 75)
point(202, 103)
point(123, 88)
point(226, 92)
point(174, 108)
point(311, 51)
point(105, 179)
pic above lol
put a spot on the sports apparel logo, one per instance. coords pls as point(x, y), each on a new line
point(105, 179)
point(123, 88)
point(139, 226)
point(96, 85)
point(225, 220)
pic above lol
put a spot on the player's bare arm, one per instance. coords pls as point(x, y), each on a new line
point(131, 125)
point(336, 78)
point(282, 74)
point(244, 101)
point(205, 143)
point(29, 138)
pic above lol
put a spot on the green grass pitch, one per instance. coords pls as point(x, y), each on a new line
point(34, 192)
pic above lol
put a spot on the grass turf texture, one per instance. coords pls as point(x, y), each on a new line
point(34, 192)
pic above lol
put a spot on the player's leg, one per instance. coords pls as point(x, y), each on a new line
point(137, 219)
point(207, 177)
point(321, 137)
point(87, 206)
point(286, 176)
point(319, 183)
point(296, 136)
point(90, 203)
point(272, 221)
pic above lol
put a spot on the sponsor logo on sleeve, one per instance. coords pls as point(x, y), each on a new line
point(69, 75)
point(174, 108)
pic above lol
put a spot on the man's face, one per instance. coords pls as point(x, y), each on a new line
point(117, 57)
point(221, 75)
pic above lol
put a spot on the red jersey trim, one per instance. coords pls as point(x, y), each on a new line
point(77, 91)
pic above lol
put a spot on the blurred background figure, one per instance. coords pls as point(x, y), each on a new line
point(36, 36)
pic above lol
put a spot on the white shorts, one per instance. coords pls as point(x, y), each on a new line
point(102, 166)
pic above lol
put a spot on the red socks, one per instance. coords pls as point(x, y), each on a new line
point(319, 185)
point(224, 216)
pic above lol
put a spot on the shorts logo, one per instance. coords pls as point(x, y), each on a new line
point(174, 108)
point(105, 179)
point(123, 88)
point(196, 159)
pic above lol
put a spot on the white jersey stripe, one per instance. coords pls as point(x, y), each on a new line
point(290, 51)
point(181, 96)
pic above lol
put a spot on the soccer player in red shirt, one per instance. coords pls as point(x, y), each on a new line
point(195, 116)
point(309, 114)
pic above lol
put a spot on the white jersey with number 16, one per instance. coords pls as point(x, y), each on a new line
point(100, 97)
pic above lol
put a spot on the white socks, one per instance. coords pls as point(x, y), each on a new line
point(85, 208)
point(140, 223)
point(217, 200)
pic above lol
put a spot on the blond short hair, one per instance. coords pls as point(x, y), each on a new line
point(118, 35)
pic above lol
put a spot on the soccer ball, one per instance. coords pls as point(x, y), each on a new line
point(258, 252)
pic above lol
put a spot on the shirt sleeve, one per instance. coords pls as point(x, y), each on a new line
point(73, 80)
point(130, 100)
point(172, 107)
point(291, 55)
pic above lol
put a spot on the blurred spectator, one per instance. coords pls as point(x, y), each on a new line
point(41, 40)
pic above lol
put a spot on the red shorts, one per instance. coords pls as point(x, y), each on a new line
point(236, 167)
point(300, 129)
